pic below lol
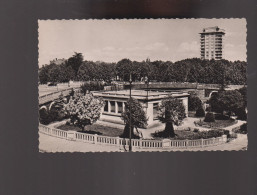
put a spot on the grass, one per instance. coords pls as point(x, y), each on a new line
point(94, 129)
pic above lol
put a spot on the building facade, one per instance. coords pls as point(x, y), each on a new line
point(211, 43)
point(150, 100)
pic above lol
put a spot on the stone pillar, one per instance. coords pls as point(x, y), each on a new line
point(149, 113)
point(123, 106)
point(116, 107)
point(166, 143)
point(185, 102)
point(95, 138)
point(109, 106)
point(117, 141)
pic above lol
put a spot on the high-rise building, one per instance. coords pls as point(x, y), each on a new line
point(211, 43)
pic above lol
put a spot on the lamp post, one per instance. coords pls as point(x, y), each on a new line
point(130, 82)
point(147, 90)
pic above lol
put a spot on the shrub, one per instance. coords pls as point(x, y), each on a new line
point(91, 86)
point(208, 109)
point(194, 102)
point(243, 128)
point(241, 114)
point(221, 117)
point(44, 117)
point(226, 132)
point(196, 130)
point(232, 135)
point(209, 117)
point(200, 112)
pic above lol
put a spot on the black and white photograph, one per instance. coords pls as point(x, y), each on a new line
point(142, 85)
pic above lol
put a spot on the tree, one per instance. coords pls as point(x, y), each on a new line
point(243, 92)
point(84, 110)
point(214, 103)
point(66, 73)
point(138, 117)
point(171, 111)
point(200, 112)
point(229, 101)
point(124, 68)
point(87, 71)
point(54, 73)
point(75, 61)
point(43, 75)
point(209, 117)
point(194, 102)
point(241, 114)
point(56, 108)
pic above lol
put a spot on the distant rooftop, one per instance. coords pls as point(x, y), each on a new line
point(139, 94)
point(214, 29)
point(58, 61)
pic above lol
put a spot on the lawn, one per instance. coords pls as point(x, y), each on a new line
point(94, 129)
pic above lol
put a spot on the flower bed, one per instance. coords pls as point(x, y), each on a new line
point(194, 135)
point(216, 124)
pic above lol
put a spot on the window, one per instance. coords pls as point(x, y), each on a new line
point(112, 106)
point(106, 106)
point(120, 107)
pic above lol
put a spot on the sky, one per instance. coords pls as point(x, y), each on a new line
point(136, 39)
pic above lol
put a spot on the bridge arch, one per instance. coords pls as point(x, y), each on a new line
point(215, 91)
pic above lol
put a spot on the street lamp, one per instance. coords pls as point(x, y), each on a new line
point(147, 90)
point(130, 82)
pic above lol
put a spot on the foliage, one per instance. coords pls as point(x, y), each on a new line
point(209, 117)
point(242, 129)
point(75, 62)
point(221, 72)
point(53, 112)
point(229, 101)
point(56, 109)
point(44, 116)
point(241, 114)
point(194, 102)
point(171, 111)
point(243, 92)
point(200, 112)
point(193, 135)
point(138, 117)
point(84, 110)
point(43, 75)
point(91, 86)
point(124, 69)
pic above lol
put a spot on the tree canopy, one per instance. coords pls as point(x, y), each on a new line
point(221, 72)
point(84, 109)
point(138, 117)
point(229, 101)
point(171, 111)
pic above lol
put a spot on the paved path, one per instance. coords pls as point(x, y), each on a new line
point(53, 144)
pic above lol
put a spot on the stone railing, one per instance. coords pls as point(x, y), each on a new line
point(136, 143)
point(52, 96)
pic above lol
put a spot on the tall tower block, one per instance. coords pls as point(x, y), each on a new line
point(211, 43)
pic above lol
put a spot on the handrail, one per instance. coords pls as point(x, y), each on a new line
point(137, 143)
